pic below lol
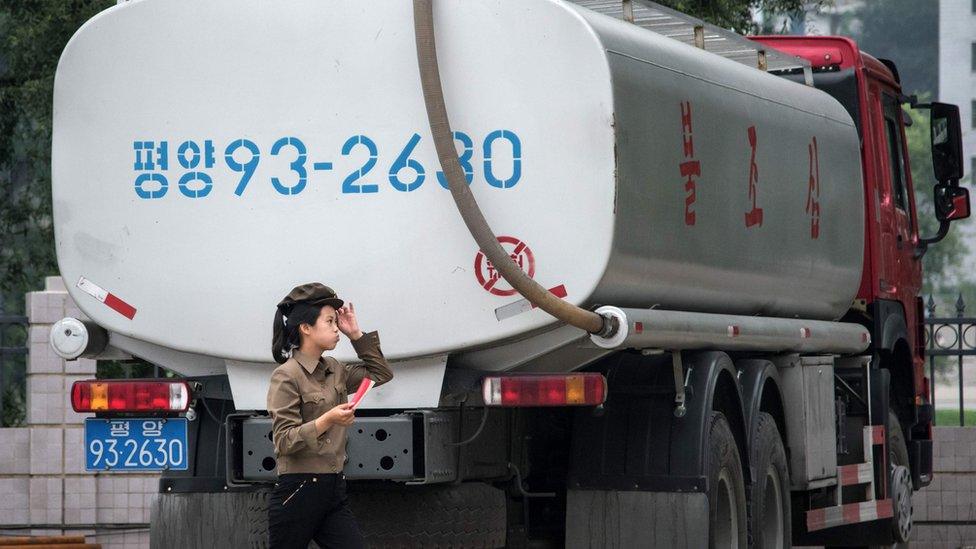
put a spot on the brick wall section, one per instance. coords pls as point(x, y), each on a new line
point(43, 482)
point(945, 511)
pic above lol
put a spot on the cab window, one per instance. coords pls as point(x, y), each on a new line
point(896, 158)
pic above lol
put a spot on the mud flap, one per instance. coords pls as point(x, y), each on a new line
point(611, 518)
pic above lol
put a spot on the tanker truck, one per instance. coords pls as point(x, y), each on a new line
point(642, 281)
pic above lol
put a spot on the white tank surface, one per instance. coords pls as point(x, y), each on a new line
point(209, 156)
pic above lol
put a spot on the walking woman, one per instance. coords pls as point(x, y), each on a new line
point(308, 405)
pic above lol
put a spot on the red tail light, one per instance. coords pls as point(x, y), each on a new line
point(587, 389)
point(141, 395)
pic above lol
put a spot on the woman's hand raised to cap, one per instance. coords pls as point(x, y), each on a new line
point(348, 324)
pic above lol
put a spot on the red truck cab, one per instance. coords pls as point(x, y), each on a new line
point(888, 300)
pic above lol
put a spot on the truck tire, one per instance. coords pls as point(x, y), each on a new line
point(727, 525)
point(900, 481)
point(769, 497)
point(471, 514)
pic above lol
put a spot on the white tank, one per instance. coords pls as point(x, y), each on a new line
point(209, 156)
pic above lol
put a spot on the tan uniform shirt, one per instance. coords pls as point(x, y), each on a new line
point(304, 388)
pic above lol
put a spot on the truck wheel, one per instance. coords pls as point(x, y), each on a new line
point(471, 514)
point(769, 496)
point(726, 489)
point(900, 481)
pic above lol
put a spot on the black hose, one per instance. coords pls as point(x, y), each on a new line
point(440, 129)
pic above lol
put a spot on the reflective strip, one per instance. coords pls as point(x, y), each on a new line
point(858, 473)
point(851, 513)
point(106, 297)
point(92, 289)
point(877, 434)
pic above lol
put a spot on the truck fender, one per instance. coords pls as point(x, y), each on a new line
point(896, 356)
point(890, 321)
point(712, 385)
point(638, 442)
point(759, 379)
point(894, 329)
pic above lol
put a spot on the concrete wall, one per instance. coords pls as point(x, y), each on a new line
point(44, 488)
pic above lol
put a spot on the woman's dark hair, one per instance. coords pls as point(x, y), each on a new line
point(286, 336)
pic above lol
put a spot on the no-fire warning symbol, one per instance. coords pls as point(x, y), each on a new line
point(488, 276)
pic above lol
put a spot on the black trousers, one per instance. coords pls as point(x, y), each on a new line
point(312, 506)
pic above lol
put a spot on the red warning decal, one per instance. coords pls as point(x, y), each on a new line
point(489, 277)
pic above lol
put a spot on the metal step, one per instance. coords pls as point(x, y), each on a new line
point(850, 513)
point(857, 474)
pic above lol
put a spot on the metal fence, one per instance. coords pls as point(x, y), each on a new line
point(950, 336)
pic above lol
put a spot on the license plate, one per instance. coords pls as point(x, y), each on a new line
point(147, 444)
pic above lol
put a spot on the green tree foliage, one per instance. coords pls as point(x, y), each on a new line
point(737, 14)
point(14, 408)
point(32, 36)
point(907, 32)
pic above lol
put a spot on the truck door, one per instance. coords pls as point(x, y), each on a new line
point(898, 222)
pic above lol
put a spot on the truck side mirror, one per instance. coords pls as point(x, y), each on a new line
point(946, 142)
point(951, 202)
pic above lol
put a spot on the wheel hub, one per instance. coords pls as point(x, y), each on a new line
point(901, 501)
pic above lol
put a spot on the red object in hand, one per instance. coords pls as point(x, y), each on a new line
point(364, 387)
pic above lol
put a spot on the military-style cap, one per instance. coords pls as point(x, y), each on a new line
point(313, 293)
